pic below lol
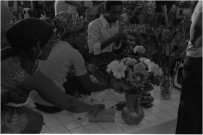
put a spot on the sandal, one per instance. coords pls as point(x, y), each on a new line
point(147, 100)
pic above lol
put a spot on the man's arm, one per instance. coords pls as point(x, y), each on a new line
point(94, 36)
point(116, 38)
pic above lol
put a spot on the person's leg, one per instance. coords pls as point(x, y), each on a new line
point(73, 85)
point(190, 107)
point(48, 109)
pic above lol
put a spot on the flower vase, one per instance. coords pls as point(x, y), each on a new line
point(166, 88)
point(133, 113)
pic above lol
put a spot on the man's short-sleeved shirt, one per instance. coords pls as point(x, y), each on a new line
point(63, 59)
point(196, 49)
point(99, 31)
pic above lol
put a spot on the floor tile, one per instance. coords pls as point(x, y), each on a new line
point(85, 122)
point(58, 129)
point(153, 109)
point(92, 127)
point(146, 113)
point(48, 116)
point(152, 119)
point(143, 123)
point(72, 125)
point(45, 130)
point(174, 104)
point(157, 101)
point(127, 127)
point(164, 106)
point(115, 130)
point(66, 132)
point(173, 111)
point(80, 130)
point(65, 119)
point(106, 125)
point(163, 115)
point(101, 132)
point(52, 123)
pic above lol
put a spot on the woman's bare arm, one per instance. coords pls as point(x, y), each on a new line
point(51, 93)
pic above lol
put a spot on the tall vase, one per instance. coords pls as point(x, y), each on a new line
point(133, 113)
point(166, 88)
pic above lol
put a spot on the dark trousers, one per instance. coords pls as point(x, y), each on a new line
point(73, 85)
point(190, 107)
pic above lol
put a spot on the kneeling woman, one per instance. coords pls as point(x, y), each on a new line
point(29, 39)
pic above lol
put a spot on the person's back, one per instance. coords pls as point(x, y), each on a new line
point(59, 63)
point(63, 60)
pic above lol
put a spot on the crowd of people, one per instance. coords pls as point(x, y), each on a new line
point(50, 63)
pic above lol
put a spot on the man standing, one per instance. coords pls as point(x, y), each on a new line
point(190, 107)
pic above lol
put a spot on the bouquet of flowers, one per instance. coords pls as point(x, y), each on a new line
point(162, 43)
point(131, 72)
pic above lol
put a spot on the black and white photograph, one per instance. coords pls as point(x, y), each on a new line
point(101, 67)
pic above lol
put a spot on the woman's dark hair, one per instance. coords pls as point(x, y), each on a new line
point(109, 4)
point(26, 33)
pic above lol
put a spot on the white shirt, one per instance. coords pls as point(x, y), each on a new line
point(62, 59)
point(99, 31)
point(195, 51)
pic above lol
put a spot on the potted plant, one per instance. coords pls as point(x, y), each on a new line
point(132, 74)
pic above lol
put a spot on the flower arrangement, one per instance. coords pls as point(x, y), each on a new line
point(131, 72)
point(162, 43)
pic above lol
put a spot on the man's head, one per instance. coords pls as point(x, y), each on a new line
point(113, 9)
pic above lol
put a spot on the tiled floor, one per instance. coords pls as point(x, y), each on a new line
point(66, 122)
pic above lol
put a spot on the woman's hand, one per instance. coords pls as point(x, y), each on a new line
point(94, 109)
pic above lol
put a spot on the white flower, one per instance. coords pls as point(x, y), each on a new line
point(146, 61)
point(154, 68)
point(139, 67)
point(130, 61)
point(143, 59)
point(139, 49)
point(117, 68)
point(112, 66)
